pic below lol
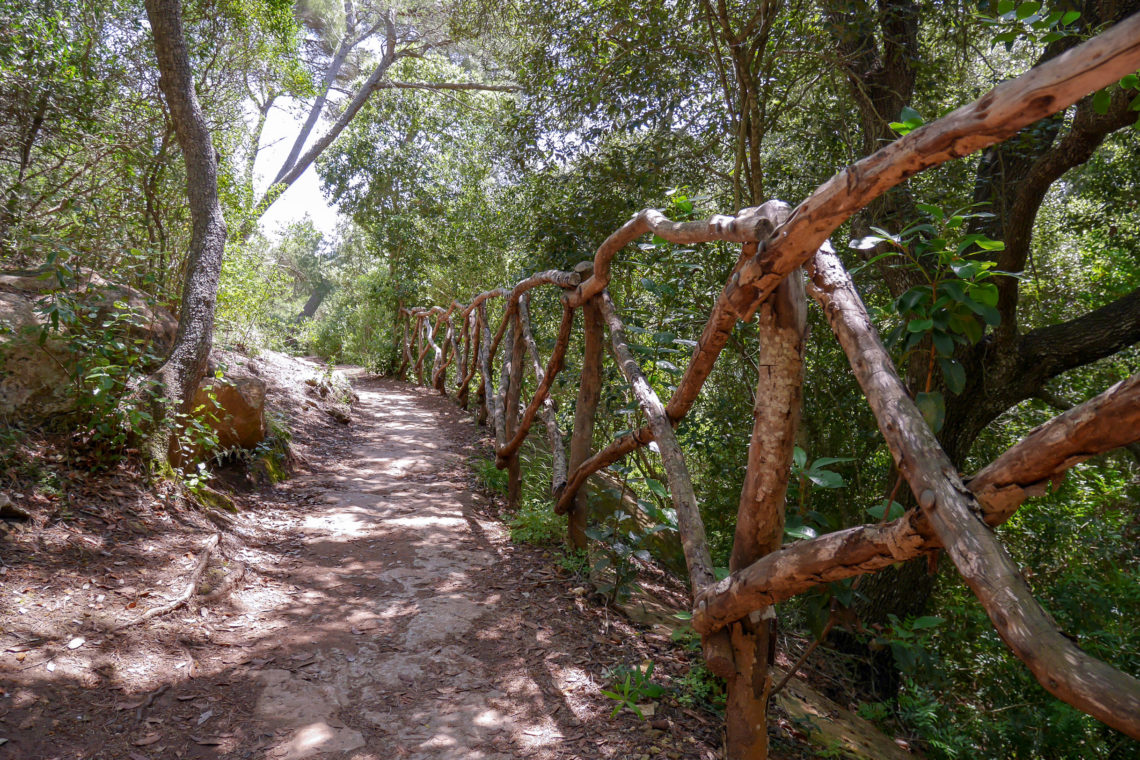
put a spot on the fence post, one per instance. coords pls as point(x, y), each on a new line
point(760, 516)
point(482, 344)
point(585, 409)
point(463, 379)
point(514, 373)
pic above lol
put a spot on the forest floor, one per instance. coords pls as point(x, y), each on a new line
point(371, 607)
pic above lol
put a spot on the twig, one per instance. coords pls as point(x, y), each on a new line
point(150, 700)
point(182, 598)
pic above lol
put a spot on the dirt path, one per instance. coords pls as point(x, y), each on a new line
point(385, 614)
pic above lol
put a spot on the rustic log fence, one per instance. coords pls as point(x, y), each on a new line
point(777, 244)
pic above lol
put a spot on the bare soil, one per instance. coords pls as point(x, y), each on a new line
point(372, 607)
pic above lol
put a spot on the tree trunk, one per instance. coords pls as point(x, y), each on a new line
point(186, 365)
point(324, 287)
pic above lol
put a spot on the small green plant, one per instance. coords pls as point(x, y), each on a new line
point(909, 641)
point(700, 688)
point(632, 686)
point(576, 562)
point(535, 523)
point(954, 304)
point(876, 712)
point(490, 477)
point(619, 550)
point(806, 477)
point(106, 357)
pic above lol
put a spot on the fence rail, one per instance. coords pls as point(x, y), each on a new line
point(777, 244)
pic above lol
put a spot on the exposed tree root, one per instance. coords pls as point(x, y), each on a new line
point(195, 576)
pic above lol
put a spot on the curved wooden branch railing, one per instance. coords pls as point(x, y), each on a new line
point(775, 241)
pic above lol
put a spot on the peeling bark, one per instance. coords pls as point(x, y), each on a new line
point(760, 516)
point(541, 399)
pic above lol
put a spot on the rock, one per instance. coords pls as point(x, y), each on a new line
point(38, 380)
point(234, 407)
point(339, 414)
point(8, 509)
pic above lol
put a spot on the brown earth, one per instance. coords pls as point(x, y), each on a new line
point(381, 612)
point(372, 607)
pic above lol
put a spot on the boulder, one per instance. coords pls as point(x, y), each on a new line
point(234, 407)
point(38, 380)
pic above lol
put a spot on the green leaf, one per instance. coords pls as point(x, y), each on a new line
point(933, 409)
point(926, 621)
point(1005, 6)
point(990, 315)
point(1130, 82)
point(1102, 99)
point(920, 325)
point(657, 487)
point(825, 478)
point(954, 375)
point(908, 114)
point(799, 457)
point(1027, 9)
point(943, 342)
point(895, 512)
point(1070, 17)
point(933, 211)
point(972, 330)
point(985, 293)
point(866, 243)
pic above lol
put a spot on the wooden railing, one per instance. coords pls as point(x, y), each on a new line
point(777, 244)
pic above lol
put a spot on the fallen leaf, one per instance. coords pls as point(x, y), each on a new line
point(205, 717)
point(77, 642)
point(51, 667)
point(147, 740)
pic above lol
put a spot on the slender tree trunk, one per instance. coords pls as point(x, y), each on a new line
point(186, 364)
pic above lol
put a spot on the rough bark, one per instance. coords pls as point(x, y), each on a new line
point(486, 387)
point(541, 400)
point(760, 516)
point(1109, 421)
point(466, 367)
point(717, 648)
point(513, 379)
point(952, 515)
point(756, 222)
point(421, 349)
point(585, 411)
point(186, 364)
point(405, 346)
point(438, 354)
point(1085, 431)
